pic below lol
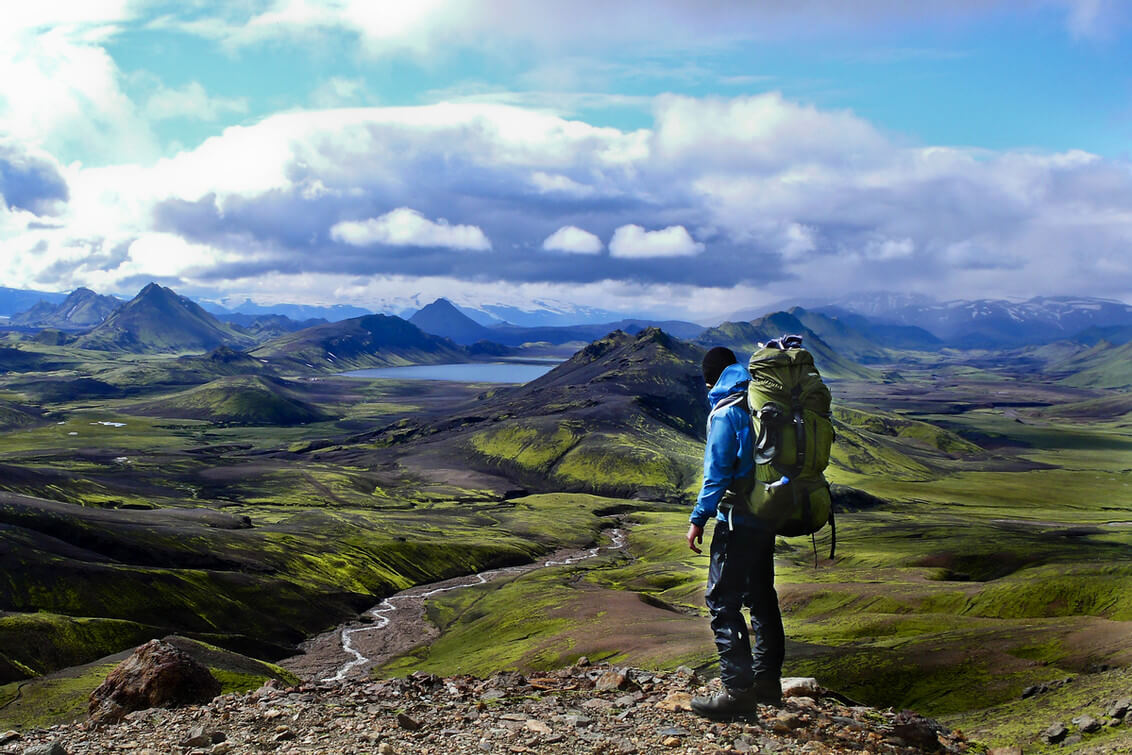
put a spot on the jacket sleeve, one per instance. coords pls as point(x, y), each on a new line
point(720, 456)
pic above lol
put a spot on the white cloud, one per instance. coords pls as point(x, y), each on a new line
point(572, 239)
point(798, 241)
point(801, 189)
point(193, 102)
point(62, 91)
point(889, 249)
point(635, 241)
point(555, 183)
point(407, 227)
point(339, 91)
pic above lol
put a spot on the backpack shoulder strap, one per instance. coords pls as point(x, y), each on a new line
point(735, 399)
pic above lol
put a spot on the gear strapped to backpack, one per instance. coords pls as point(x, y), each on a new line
point(789, 406)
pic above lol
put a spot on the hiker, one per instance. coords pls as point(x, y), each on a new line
point(741, 571)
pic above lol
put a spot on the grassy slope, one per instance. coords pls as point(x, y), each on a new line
point(965, 589)
point(64, 695)
point(1102, 366)
point(242, 400)
point(369, 341)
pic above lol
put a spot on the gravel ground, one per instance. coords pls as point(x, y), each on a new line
point(581, 709)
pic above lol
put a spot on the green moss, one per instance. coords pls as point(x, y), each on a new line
point(51, 700)
point(527, 446)
point(43, 642)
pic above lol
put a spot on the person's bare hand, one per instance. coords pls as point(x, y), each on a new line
point(695, 536)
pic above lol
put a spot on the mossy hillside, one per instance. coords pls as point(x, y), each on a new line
point(268, 586)
point(662, 566)
point(526, 445)
point(636, 608)
point(1102, 366)
point(64, 696)
point(547, 619)
point(1116, 407)
point(916, 432)
point(652, 459)
point(619, 463)
point(159, 320)
point(244, 400)
point(622, 417)
point(44, 641)
point(359, 342)
point(13, 415)
point(46, 701)
point(1020, 722)
point(888, 622)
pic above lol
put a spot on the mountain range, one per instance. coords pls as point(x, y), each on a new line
point(16, 300)
point(990, 323)
point(745, 337)
point(159, 320)
point(359, 342)
point(443, 318)
point(81, 309)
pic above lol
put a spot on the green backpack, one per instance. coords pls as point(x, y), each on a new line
point(790, 417)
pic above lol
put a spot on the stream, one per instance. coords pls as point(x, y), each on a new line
point(398, 623)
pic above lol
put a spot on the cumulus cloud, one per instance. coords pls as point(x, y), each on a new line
point(407, 227)
point(30, 181)
point(63, 91)
point(193, 102)
point(776, 189)
point(634, 241)
point(572, 239)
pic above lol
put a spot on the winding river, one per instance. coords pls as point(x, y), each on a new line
point(398, 624)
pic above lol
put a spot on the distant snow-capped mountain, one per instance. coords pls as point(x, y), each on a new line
point(994, 322)
point(536, 313)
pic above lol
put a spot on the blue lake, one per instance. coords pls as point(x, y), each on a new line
point(476, 372)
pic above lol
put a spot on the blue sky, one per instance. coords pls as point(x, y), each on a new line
point(588, 153)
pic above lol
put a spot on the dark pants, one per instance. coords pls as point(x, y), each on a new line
point(742, 573)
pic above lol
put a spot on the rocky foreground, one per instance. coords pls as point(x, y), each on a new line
point(581, 709)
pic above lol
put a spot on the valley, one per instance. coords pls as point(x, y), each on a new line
point(248, 497)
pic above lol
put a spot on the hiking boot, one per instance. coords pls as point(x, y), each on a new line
point(768, 692)
point(728, 704)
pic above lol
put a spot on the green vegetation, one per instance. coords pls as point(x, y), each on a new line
point(64, 696)
point(237, 400)
point(992, 551)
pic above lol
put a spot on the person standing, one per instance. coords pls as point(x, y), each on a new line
point(741, 570)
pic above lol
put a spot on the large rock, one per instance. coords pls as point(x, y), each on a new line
point(157, 675)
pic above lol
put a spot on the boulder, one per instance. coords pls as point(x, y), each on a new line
point(1055, 733)
point(918, 731)
point(1120, 708)
point(801, 686)
point(1087, 724)
point(157, 675)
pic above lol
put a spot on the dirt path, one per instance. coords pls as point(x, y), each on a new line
point(398, 624)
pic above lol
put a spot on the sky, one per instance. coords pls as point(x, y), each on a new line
point(651, 158)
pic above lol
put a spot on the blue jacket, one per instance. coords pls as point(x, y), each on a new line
point(729, 454)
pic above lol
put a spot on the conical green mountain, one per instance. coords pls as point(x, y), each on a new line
point(368, 341)
point(158, 320)
point(242, 400)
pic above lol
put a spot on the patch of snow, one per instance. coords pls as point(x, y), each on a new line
point(109, 424)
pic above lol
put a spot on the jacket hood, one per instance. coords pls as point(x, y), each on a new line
point(733, 379)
